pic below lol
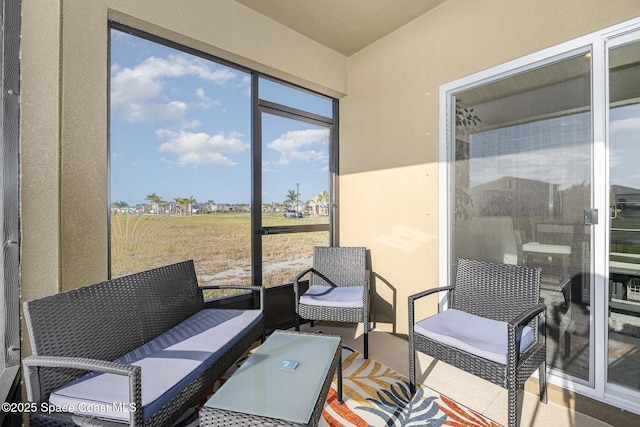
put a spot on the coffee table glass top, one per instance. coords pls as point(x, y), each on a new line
point(261, 387)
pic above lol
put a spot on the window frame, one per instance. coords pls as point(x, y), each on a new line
point(258, 107)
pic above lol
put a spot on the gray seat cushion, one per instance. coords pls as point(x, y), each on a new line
point(169, 363)
point(334, 296)
point(478, 335)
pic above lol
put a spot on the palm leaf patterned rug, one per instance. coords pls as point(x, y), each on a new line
point(376, 395)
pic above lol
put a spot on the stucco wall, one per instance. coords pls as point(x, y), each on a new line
point(39, 149)
point(389, 120)
point(64, 112)
point(389, 125)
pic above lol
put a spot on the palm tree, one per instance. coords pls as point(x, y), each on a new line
point(292, 198)
point(120, 204)
point(154, 199)
point(191, 202)
point(324, 197)
point(323, 201)
point(180, 203)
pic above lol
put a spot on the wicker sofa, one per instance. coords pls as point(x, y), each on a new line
point(138, 350)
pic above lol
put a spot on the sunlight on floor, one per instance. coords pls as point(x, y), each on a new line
point(475, 393)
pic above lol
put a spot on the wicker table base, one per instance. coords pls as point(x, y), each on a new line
point(259, 386)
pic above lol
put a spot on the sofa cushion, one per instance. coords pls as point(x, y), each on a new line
point(169, 363)
point(334, 296)
point(478, 335)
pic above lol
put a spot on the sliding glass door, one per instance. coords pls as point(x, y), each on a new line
point(540, 167)
point(623, 314)
point(522, 185)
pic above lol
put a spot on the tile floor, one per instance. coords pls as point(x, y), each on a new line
point(473, 392)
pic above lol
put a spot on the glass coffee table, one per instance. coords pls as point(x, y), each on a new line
point(284, 383)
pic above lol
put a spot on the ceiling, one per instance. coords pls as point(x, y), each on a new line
point(346, 26)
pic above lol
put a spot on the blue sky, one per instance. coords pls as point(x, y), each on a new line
point(181, 127)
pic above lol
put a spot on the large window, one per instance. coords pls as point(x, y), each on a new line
point(216, 163)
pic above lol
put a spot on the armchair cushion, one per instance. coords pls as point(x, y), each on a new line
point(332, 296)
point(486, 338)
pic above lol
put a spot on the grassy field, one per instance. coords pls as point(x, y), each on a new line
point(219, 244)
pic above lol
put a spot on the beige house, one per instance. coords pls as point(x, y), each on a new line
point(391, 88)
point(319, 205)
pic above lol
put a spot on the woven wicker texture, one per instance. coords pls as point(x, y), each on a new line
point(84, 329)
point(336, 266)
point(507, 293)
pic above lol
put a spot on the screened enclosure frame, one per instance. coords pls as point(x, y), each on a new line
point(10, 204)
point(258, 107)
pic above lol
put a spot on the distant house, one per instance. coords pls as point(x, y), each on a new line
point(319, 205)
point(165, 207)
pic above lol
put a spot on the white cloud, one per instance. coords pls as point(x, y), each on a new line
point(296, 139)
point(291, 146)
point(191, 125)
point(245, 84)
point(135, 113)
point(205, 101)
point(194, 149)
point(302, 156)
point(134, 89)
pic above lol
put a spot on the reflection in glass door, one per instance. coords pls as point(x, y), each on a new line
point(624, 197)
point(521, 186)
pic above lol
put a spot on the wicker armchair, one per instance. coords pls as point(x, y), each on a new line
point(338, 288)
point(508, 298)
